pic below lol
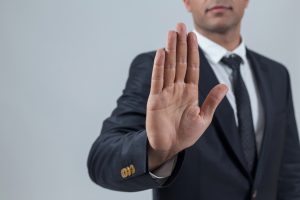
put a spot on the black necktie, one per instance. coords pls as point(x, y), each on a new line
point(246, 129)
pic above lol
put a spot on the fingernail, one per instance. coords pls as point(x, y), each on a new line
point(181, 27)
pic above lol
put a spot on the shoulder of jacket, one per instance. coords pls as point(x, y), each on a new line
point(269, 63)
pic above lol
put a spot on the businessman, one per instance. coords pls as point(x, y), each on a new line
point(205, 118)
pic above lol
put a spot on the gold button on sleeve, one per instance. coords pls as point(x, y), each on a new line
point(128, 171)
point(132, 169)
point(124, 173)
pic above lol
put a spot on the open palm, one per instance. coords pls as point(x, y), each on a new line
point(174, 120)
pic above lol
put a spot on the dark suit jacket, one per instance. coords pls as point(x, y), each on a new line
point(214, 167)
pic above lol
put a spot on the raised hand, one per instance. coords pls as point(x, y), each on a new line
point(174, 120)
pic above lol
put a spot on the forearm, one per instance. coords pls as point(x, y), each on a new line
point(112, 154)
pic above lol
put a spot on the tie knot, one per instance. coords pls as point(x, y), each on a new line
point(233, 61)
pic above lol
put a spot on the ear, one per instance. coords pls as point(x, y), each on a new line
point(187, 5)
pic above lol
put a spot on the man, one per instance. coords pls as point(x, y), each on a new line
point(229, 135)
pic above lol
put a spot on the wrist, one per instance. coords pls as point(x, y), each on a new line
point(156, 158)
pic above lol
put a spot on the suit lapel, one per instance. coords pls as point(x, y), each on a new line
point(264, 89)
point(224, 115)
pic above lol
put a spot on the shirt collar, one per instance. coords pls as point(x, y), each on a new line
point(214, 52)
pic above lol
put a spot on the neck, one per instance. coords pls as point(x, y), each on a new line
point(230, 40)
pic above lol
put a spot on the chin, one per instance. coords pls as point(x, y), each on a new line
point(221, 29)
point(220, 26)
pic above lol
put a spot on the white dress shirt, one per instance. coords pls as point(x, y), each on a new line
point(214, 53)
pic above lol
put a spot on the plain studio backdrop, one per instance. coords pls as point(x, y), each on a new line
point(63, 64)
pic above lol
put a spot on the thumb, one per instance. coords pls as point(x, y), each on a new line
point(212, 101)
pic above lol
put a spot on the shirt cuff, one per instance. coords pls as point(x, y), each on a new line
point(165, 170)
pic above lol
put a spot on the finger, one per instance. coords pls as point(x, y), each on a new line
point(192, 73)
point(157, 79)
point(170, 60)
point(181, 53)
point(212, 101)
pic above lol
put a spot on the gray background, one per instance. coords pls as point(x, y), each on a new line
point(63, 63)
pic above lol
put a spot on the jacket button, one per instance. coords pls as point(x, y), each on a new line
point(254, 194)
point(132, 169)
point(128, 171)
point(124, 173)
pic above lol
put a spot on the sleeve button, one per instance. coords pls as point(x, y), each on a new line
point(124, 173)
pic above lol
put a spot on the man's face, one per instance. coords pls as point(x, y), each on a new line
point(217, 16)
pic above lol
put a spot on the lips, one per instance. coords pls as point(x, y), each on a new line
point(219, 8)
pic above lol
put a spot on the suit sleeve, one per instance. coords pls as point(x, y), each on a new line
point(118, 158)
point(289, 177)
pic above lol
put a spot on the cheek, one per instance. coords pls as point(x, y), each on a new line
point(240, 9)
point(197, 6)
point(242, 6)
point(198, 11)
